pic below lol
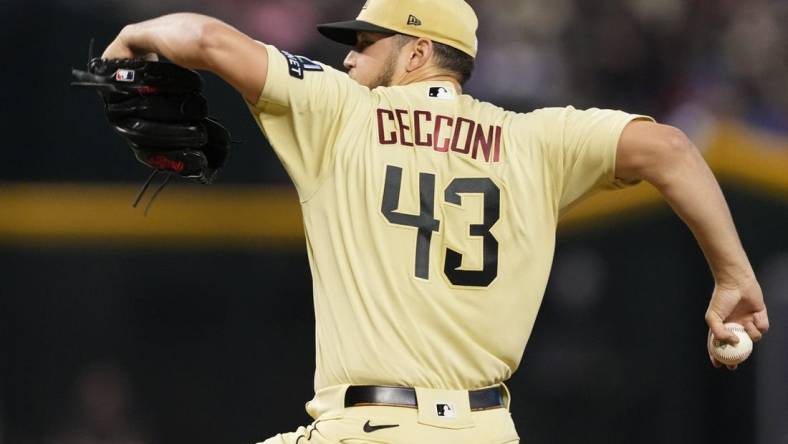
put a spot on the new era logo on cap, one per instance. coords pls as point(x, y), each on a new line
point(413, 20)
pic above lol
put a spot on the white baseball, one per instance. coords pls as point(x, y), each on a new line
point(730, 354)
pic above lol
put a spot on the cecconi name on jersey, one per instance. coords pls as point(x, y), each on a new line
point(441, 133)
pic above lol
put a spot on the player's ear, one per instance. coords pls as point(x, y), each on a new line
point(420, 53)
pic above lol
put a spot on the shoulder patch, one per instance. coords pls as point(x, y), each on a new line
point(296, 65)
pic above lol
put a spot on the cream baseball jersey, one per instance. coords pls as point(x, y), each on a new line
point(430, 218)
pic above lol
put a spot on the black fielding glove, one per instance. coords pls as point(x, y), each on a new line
point(158, 108)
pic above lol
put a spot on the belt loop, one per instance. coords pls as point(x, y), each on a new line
point(507, 396)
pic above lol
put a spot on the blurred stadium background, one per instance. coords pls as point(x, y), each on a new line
point(195, 323)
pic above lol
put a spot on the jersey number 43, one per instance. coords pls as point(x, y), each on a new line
point(427, 224)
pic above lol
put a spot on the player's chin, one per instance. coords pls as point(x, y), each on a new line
point(353, 76)
point(368, 84)
point(361, 81)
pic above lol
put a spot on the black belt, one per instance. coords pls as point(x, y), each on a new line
point(365, 395)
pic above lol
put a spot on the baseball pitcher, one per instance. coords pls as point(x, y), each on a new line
point(430, 216)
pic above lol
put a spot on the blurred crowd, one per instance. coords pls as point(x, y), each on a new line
point(673, 59)
point(100, 410)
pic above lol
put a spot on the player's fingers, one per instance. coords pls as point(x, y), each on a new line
point(718, 328)
point(761, 321)
point(714, 362)
point(753, 331)
point(732, 367)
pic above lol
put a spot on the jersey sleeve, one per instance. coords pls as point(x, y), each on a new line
point(581, 150)
point(302, 110)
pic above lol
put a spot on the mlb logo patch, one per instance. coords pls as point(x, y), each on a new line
point(440, 92)
point(124, 75)
point(445, 410)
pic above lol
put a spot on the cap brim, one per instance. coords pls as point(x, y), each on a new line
point(345, 32)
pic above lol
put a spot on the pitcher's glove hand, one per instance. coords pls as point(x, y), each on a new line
point(158, 109)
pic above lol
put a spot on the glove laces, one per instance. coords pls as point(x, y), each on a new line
point(155, 193)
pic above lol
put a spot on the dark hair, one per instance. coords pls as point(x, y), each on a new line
point(448, 58)
point(453, 60)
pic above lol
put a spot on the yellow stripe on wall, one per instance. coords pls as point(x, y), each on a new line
point(756, 159)
point(738, 155)
point(192, 216)
point(606, 205)
point(182, 214)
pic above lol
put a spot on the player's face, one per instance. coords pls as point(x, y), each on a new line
point(374, 60)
